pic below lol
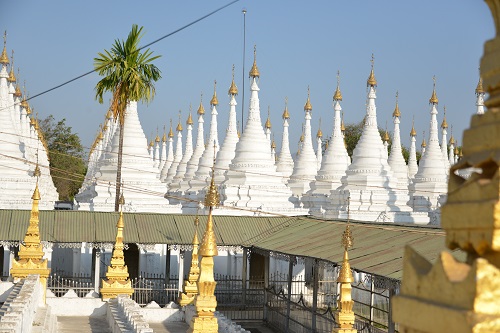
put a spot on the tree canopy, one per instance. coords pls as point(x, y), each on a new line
point(66, 154)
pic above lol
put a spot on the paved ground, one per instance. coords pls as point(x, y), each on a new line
point(82, 325)
point(169, 327)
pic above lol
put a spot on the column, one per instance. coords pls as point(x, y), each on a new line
point(97, 270)
point(181, 271)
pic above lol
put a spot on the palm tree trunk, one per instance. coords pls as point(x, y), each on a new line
point(119, 167)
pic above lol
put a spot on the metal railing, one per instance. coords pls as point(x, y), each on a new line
point(154, 287)
point(81, 284)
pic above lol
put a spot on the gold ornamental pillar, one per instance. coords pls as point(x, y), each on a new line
point(345, 315)
point(205, 302)
point(117, 280)
point(450, 295)
point(31, 253)
point(191, 285)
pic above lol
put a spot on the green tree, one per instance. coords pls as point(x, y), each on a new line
point(66, 155)
point(129, 75)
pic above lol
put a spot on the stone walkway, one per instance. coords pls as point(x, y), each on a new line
point(82, 325)
point(169, 327)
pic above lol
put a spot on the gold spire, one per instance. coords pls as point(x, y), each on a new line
point(4, 59)
point(152, 143)
point(164, 137)
point(308, 106)
point(434, 99)
point(371, 79)
point(233, 90)
point(286, 115)
point(18, 89)
point(268, 121)
point(12, 76)
point(319, 134)
point(386, 136)
point(171, 133)
point(460, 154)
point(413, 133)
point(157, 138)
point(201, 109)
point(424, 144)
point(254, 72)
point(302, 134)
point(444, 124)
point(191, 284)
point(208, 246)
point(456, 151)
point(273, 144)
point(214, 100)
point(479, 88)
point(337, 96)
point(189, 121)
point(342, 125)
point(452, 139)
point(396, 112)
point(179, 125)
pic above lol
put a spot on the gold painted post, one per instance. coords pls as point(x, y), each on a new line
point(345, 316)
point(191, 285)
point(31, 253)
point(117, 280)
point(205, 302)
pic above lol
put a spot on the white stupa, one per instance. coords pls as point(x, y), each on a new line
point(228, 148)
point(430, 182)
point(140, 183)
point(334, 164)
point(199, 148)
point(412, 160)
point(188, 152)
point(252, 184)
point(480, 93)
point(369, 189)
point(285, 160)
point(444, 141)
point(319, 148)
point(396, 159)
point(21, 153)
point(170, 154)
point(305, 168)
point(172, 171)
point(163, 155)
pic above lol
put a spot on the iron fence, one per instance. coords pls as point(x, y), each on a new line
point(154, 287)
point(81, 284)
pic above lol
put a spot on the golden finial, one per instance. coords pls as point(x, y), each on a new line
point(18, 89)
point(214, 100)
point(308, 106)
point(12, 76)
point(386, 135)
point(201, 109)
point(319, 134)
point(4, 59)
point(268, 121)
point(444, 124)
point(121, 201)
point(342, 125)
point(424, 144)
point(109, 114)
point(233, 90)
point(273, 143)
point(212, 198)
point(157, 138)
point(171, 133)
point(302, 135)
point(337, 96)
point(396, 112)
point(189, 121)
point(434, 99)
point(413, 133)
point(179, 125)
point(452, 139)
point(371, 79)
point(286, 115)
point(254, 72)
point(152, 143)
point(479, 88)
point(347, 239)
point(101, 136)
point(164, 138)
point(327, 143)
point(456, 150)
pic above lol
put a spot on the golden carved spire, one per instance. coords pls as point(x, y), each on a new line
point(157, 138)
point(191, 284)
point(413, 133)
point(254, 72)
point(286, 115)
point(214, 100)
point(18, 89)
point(208, 246)
point(268, 121)
point(273, 143)
point(308, 106)
point(171, 132)
point(434, 99)
point(189, 121)
point(479, 88)
point(337, 96)
point(396, 112)
point(164, 137)
point(12, 76)
point(424, 144)
point(4, 59)
point(233, 90)
point(179, 125)
point(319, 134)
point(444, 124)
point(201, 109)
point(386, 135)
point(371, 79)
point(452, 139)
point(342, 125)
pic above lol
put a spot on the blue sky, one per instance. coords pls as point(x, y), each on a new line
point(298, 44)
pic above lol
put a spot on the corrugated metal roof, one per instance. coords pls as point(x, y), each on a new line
point(378, 248)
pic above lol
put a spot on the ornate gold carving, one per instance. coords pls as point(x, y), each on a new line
point(191, 285)
point(4, 59)
point(117, 279)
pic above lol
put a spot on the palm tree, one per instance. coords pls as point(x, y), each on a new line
point(130, 76)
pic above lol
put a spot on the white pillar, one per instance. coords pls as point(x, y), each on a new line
point(97, 270)
point(6, 260)
point(181, 270)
